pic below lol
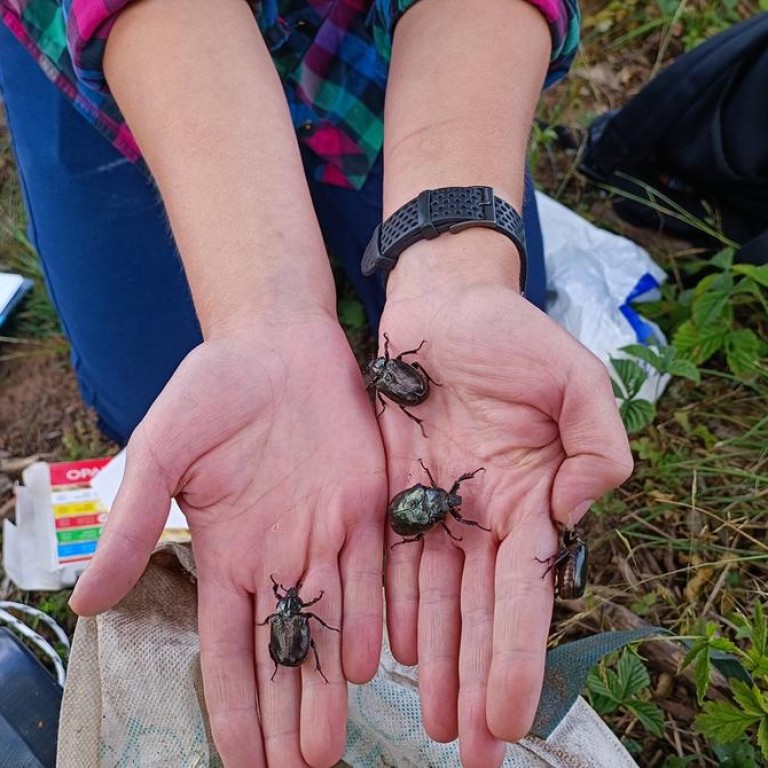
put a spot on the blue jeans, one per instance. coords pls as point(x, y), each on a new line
point(110, 265)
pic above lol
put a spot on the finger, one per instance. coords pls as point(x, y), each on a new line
point(225, 618)
point(401, 581)
point(479, 747)
point(439, 627)
point(279, 690)
point(522, 611)
point(324, 704)
point(598, 457)
point(363, 592)
point(133, 528)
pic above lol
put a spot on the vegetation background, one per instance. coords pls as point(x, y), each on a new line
point(682, 545)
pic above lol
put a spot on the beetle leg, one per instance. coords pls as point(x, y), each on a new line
point(417, 537)
point(386, 346)
point(450, 533)
point(383, 405)
point(465, 476)
point(262, 623)
point(272, 679)
point(275, 586)
point(429, 474)
point(427, 376)
point(315, 616)
point(554, 560)
point(465, 521)
point(312, 602)
point(317, 659)
point(413, 418)
point(412, 351)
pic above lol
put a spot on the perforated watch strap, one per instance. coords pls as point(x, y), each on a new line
point(434, 211)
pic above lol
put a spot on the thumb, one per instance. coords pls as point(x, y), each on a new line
point(598, 457)
point(132, 530)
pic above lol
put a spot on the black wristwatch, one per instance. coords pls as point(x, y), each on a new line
point(434, 211)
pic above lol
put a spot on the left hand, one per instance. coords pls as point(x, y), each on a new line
point(523, 399)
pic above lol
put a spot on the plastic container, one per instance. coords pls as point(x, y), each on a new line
point(30, 700)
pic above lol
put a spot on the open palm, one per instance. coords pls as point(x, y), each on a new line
point(521, 398)
point(277, 464)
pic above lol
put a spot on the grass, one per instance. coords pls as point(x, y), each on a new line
point(682, 545)
point(683, 542)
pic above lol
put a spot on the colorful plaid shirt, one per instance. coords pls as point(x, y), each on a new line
point(332, 56)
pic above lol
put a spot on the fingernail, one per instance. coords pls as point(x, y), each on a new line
point(579, 511)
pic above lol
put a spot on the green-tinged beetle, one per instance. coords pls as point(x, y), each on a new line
point(289, 635)
point(420, 508)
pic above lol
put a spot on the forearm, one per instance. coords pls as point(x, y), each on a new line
point(199, 90)
point(464, 82)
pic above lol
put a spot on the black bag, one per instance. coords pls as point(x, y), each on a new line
point(698, 133)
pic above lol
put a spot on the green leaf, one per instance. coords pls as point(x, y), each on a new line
point(762, 737)
point(685, 369)
point(630, 374)
point(723, 644)
point(742, 351)
point(717, 282)
point(758, 274)
point(650, 716)
point(632, 675)
point(711, 308)
point(759, 629)
point(699, 344)
point(702, 675)
point(614, 684)
point(757, 632)
point(722, 721)
point(697, 647)
point(618, 392)
point(642, 352)
point(748, 698)
point(737, 754)
point(723, 259)
point(637, 414)
point(596, 685)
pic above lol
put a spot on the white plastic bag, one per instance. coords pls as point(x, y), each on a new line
point(593, 276)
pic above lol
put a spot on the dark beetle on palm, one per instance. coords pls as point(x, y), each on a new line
point(403, 383)
point(569, 565)
point(420, 508)
point(289, 635)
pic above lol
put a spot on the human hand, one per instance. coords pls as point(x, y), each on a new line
point(266, 439)
point(521, 398)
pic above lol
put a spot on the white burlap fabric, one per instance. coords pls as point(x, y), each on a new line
point(134, 696)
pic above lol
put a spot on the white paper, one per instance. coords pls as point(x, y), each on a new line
point(108, 480)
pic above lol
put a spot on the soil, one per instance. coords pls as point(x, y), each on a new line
point(41, 415)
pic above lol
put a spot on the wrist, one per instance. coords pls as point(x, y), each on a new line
point(269, 303)
point(452, 263)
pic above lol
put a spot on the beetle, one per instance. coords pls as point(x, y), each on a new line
point(289, 635)
point(569, 565)
point(405, 384)
point(420, 508)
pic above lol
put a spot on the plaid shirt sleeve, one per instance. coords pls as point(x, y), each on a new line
point(88, 23)
point(563, 17)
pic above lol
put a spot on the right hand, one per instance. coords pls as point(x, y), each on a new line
point(268, 441)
